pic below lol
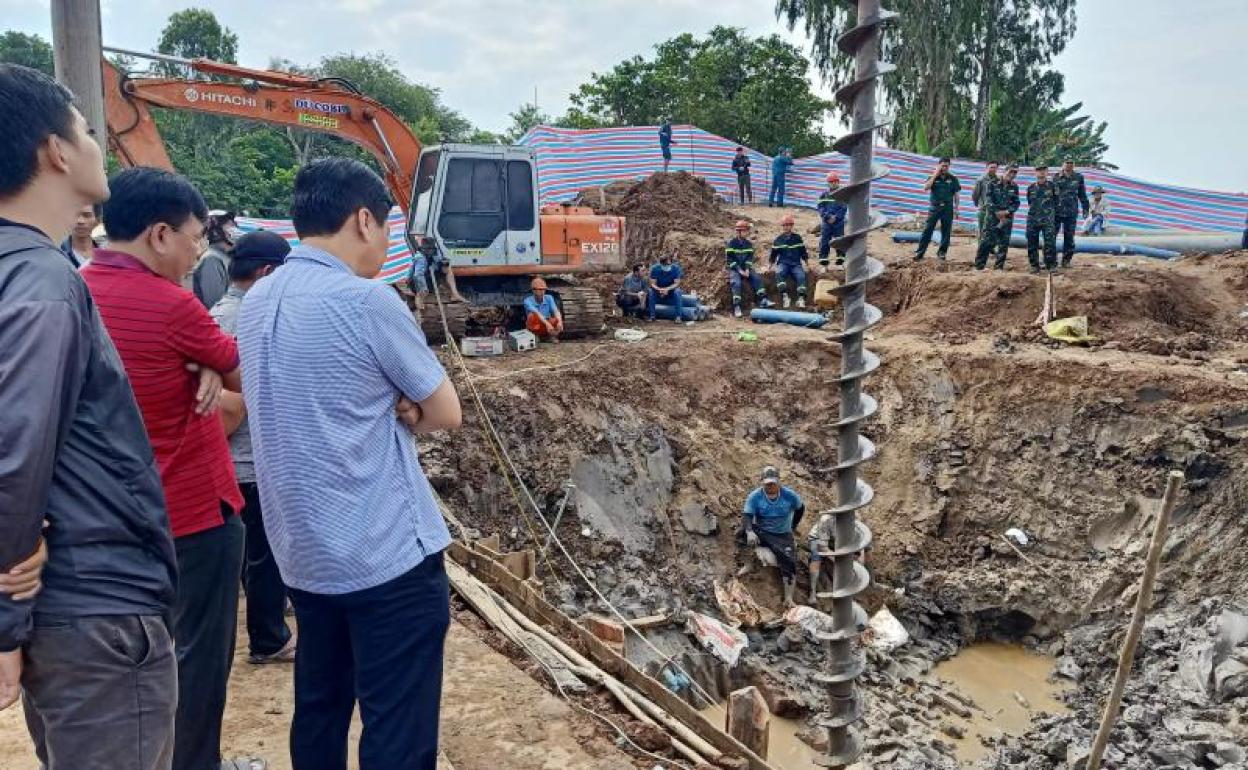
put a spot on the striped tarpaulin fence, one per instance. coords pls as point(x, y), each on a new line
point(398, 257)
point(571, 160)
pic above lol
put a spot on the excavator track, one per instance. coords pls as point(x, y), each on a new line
point(583, 312)
point(457, 314)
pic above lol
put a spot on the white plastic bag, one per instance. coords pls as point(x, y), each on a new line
point(885, 632)
point(723, 642)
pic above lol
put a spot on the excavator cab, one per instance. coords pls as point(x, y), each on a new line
point(479, 205)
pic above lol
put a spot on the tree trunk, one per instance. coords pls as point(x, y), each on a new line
point(987, 63)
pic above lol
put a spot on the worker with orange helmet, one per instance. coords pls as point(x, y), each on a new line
point(832, 215)
point(740, 257)
point(542, 316)
point(790, 260)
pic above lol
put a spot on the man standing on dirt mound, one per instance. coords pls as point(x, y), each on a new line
point(665, 142)
point(943, 187)
point(832, 218)
point(998, 206)
point(779, 170)
point(338, 378)
point(740, 256)
point(771, 515)
point(1072, 202)
point(1042, 220)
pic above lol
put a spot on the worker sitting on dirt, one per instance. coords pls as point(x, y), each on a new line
point(1097, 213)
point(770, 517)
point(790, 260)
point(832, 217)
point(740, 255)
point(542, 316)
point(665, 287)
point(635, 292)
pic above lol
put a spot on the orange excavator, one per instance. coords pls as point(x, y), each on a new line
point(478, 205)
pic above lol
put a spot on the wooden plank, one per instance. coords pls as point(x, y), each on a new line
point(749, 719)
point(523, 597)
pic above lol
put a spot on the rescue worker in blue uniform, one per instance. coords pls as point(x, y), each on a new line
point(769, 519)
point(779, 170)
point(832, 216)
point(790, 261)
point(739, 254)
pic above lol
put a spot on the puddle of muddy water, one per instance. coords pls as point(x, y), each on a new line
point(999, 679)
point(785, 750)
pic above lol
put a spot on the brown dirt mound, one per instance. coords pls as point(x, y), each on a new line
point(1131, 306)
point(665, 203)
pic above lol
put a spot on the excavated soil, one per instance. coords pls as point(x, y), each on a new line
point(985, 425)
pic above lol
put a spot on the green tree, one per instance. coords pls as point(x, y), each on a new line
point(751, 90)
point(28, 50)
point(960, 64)
point(196, 34)
point(526, 117)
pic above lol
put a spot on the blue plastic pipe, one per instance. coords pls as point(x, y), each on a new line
point(668, 312)
point(793, 317)
point(1081, 246)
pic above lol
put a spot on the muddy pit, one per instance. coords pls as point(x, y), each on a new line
point(984, 426)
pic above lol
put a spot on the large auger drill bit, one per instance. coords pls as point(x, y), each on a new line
point(846, 660)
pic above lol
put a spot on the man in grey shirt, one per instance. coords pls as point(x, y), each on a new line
point(632, 294)
point(92, 654)
point(255, 256)
point(211, 277)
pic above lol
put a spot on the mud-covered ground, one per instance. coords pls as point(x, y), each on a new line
point(984, 425)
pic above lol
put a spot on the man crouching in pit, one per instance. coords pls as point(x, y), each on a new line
point(772, 513)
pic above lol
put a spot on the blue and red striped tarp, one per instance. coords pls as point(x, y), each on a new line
point(398, 258)
point(571, 160)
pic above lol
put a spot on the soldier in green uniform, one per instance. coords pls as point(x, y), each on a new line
point(1072, 204)
point(1042, 220)
point(998, 211)
point(943, 187)
point(979, 195)
point(1006, 226)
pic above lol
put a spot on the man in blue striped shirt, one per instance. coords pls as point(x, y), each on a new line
point(336, 378)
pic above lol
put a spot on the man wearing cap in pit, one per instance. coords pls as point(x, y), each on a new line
point(771, 515)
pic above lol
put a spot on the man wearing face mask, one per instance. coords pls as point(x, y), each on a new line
point(211, 278)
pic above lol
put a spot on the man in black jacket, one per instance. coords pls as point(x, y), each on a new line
point(92, 652)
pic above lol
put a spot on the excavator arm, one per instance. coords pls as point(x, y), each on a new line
point(327, 106)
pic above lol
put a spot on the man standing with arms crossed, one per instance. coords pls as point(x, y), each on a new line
point(943, 188)
point(1072, 202)
point(155, 221)
point(351, 518)
point(1041, 220)
point(92, 652)
point(979, 196)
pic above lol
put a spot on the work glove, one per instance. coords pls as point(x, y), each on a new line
point(751, 538)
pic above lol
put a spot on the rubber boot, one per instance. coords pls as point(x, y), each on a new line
point(736, 311)
point(789, 585)
point(801, 302)
point(785, 301)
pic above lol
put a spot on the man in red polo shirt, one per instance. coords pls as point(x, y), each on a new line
point(178, 360)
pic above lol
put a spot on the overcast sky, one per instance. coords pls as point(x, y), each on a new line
point(1168, 77)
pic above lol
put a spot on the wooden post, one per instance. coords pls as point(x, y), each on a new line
point(749, 719)
point(77, 50)
point(1142, 600)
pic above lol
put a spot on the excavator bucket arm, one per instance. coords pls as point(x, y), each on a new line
point(268, 97)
